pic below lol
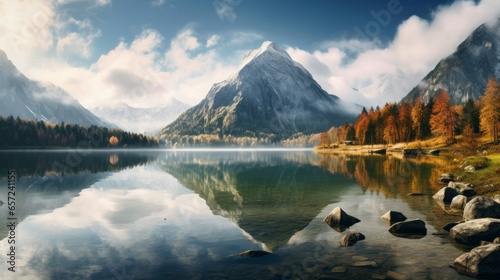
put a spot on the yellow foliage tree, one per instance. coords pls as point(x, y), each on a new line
point(490, 109)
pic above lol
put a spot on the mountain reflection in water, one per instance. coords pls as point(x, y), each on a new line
point(182, 214)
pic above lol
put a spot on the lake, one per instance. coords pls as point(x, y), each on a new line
point(174, 214)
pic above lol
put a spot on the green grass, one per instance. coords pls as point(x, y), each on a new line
point(486, 178)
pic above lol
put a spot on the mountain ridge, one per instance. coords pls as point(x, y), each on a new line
point(465, 73)
point(25, 98)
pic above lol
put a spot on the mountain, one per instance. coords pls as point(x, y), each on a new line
point(141, 120)
point(269, 95)
point(465, 73)
point(33, 100)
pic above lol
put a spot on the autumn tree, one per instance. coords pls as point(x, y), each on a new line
point(325, 140)
point(361, 126)
point(405, 121)
point(113, 140)
point(490, 109)
point(391, 130)
point(443, 120)
point(470, 143)
point(417, 117)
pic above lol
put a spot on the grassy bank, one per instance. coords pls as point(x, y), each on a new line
point(486, 177)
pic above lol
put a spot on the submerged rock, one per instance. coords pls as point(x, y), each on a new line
point(475, 231)
point(480, 262)
point(446, 194)
point(365, 264)
point(413, 227)
point(481, 207)
point(340, 220)
point(351, 238)
point(253, 253)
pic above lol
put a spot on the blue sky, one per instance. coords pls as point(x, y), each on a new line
point(145, 52)
point(303, 24)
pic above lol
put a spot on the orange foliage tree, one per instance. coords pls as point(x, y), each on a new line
point(443, 120)
point(113, 140)
point(490, 109)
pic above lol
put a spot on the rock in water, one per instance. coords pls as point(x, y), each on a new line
point(445, 194)
point(340, 220)
point(393, 217)
point(351, 238)
point(482, 262)
point(481, 207)
point(413, 227)
point(475, 231)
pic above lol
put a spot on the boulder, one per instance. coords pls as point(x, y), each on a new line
point(445, 194)
point(481, 262)
point(463, 189)
point(475, 231)
point(449, 226)
point(481, 207)
point(340, 220)
point(412, 227)
point(393, 217)
point(253, 253)
point(351, 238)
point(446, 178)
point(459, 202)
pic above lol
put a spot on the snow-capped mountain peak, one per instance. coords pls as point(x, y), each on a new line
point(270, 94)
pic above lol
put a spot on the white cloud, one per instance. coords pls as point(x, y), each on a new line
point(92, 3)
point(157, 3)
point(244, 37)
point(212, 41)
point(142, 73)
point(225, 9)
point(416, 49)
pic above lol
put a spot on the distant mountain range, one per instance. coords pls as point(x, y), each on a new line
point(269, 95)
point(141, 120)
point(465, 73)
point(33, 100)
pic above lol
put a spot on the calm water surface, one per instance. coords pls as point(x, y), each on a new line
point(185, 214)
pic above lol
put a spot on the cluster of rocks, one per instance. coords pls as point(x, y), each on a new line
point(480, 227)
point(456, 194)
point(399, 226)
